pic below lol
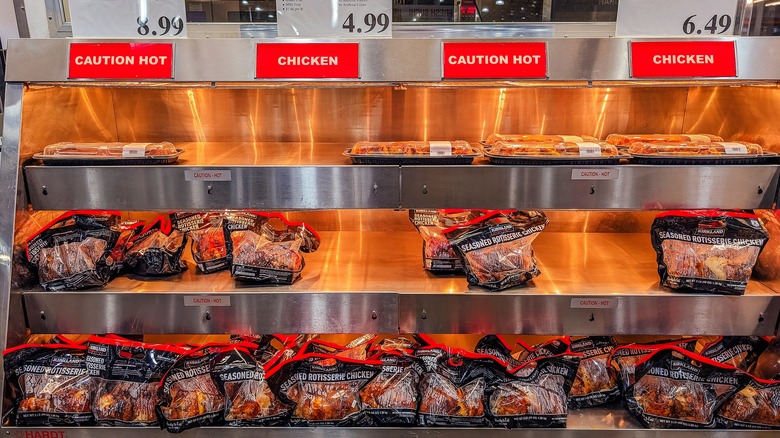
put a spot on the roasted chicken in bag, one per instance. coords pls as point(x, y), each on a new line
point(391, 397)
point(707, 250)
point(188, 395)
point(495, 249)
point(534, 394)
point(157, 249)
point(126, 375)
point(49, 385)
point(208, 238)
point(596, 381)
point(248, 398)
point(677, 389)
point(74, 251)
point(260, 253)
point(453, 385)
point(323, 390)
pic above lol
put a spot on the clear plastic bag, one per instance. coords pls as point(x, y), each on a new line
point(188, 395)
point(496, 248)
point(322, 389)
point(516, 138)
point(157, 249)
point(554, 149)
point(707, 250)
point(675, 389)
point(50, 385)
point(457, 147)
point(628, 139)
point(534, 394)
point(754, 407)
point(74, 251)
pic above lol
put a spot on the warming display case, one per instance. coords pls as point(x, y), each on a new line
point(244, 142)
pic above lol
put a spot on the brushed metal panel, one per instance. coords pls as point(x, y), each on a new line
point(291, 114)
point(52, 114)
point(165, 188)
point(285, 312)
point(550, 315)
point(343, 114)
point(474, 113)
point(735, 113)
point(397, 59)
point(400, 60)
point(637, 187)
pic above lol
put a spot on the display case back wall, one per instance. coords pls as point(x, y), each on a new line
point(346, 115)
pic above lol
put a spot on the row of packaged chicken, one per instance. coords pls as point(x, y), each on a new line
point(498, 148)
point(709, 251)
point(563, 149)
point(729, 382)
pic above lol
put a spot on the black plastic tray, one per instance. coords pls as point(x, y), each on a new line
point(410, 160)
point(530, 160)
point(766, 158)
point(108, 161)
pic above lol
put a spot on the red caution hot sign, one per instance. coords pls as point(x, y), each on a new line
point(683, 59)
point(494, 60)
point(308, 61)
point(120, 61)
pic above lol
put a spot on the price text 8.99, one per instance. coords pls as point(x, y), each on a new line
point(165, 25)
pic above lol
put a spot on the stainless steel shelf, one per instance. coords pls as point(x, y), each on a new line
point(553, 187)
point(374, 282)
point(300, 176)
point(290, 178)
point(586, 423)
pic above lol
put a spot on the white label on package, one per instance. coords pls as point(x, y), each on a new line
point(571, 138)
point(699, 138)
point(589, 149)
point(594, 303)
point(207, 175)
point(206, 301)
point(441, 148)
point(134, 150)
point(334, 18)
point(689, 18)
point(734, 148)
point(595, 173)
point(128, 18)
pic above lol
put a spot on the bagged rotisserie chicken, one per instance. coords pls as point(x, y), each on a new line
point(49, 385)
point(74, 251)
point(157, 249)
point(260, 253)
point(323, 390)
point(438, 254)
point(188, 395)
point(125, 375)
point(707, 250)
point(495, 249)
point(208, 238)
point(453, 385)
point(249, 400)
point(596, 381)
point(677, 389)
point(534, 394)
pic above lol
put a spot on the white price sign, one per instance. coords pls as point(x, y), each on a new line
point(128, 18)
point(689, 18)
point(334, 18)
